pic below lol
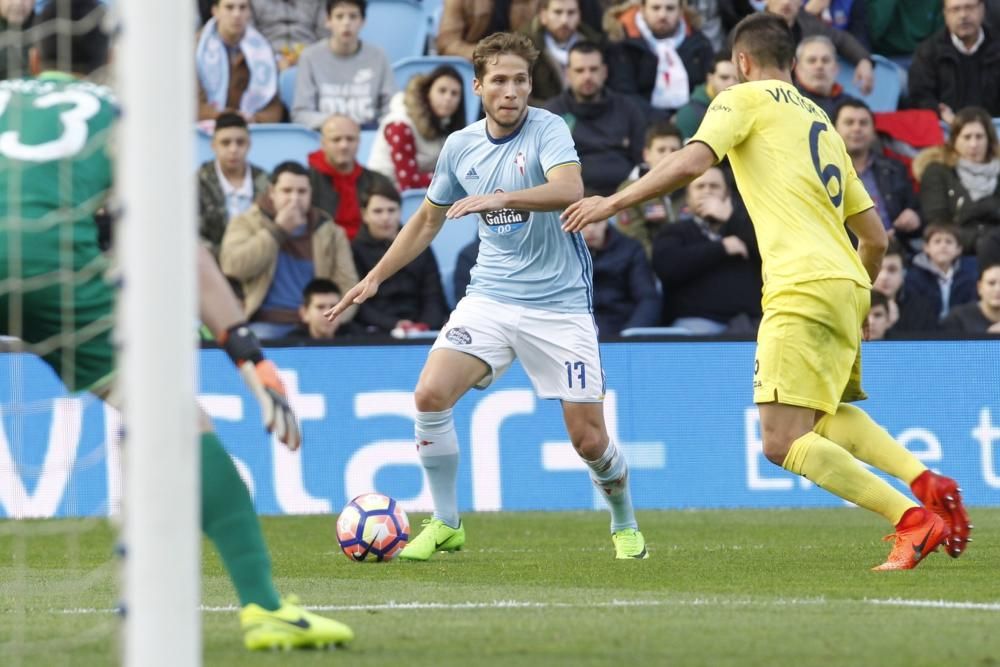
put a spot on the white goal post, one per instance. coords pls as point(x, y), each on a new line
point(154, 67)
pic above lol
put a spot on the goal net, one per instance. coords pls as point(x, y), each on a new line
point(98, 523)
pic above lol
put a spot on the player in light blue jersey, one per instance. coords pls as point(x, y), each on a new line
point(531, 292)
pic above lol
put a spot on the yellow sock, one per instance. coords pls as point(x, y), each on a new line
point(832, 468)
point(855, 431)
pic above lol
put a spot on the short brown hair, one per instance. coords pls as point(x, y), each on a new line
point(489, 50)
point(767, 38)
point(934, 229)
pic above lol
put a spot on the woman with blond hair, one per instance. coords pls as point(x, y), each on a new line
point(960, 181)
point(412, 134)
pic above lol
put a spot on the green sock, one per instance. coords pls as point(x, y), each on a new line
point(229, 520)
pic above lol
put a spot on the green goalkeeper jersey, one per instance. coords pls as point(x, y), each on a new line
point(55, 171)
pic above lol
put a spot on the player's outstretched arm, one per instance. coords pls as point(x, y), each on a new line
point(564, 187)
point(221, 313)
point(412, 240)
point(872, 239)
point(673, 172)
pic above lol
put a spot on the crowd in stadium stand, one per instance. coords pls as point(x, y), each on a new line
point(632, 80)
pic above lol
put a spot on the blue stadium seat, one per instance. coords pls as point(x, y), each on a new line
point(286, 87)
point(404, 70)
point(454, 235)
point(399, 27)
point(202, 147)
point(888, 84)
point(273, 143)
point(365, 145)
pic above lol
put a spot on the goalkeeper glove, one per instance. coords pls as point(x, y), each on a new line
point(261, 376)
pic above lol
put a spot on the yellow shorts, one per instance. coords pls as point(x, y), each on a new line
point(809, 345)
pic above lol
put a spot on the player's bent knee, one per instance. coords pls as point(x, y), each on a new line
point(432, 398)
point(776, 448)
point(589, 443)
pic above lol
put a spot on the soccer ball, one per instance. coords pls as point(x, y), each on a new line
point(372, 527)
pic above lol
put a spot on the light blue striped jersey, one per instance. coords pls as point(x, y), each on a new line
point(524, 257)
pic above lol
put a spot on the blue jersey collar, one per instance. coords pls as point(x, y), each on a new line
point(510, 136)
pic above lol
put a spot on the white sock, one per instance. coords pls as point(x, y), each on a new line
point(437, 444)
point(610, 474)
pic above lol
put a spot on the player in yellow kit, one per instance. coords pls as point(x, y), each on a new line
point(800, 187)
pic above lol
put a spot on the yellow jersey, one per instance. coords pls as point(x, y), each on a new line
point(793, 171)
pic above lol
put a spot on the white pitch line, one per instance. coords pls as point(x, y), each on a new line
point(529, 604)
point(937, 604)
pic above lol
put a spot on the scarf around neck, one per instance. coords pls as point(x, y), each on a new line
point(979, 178)
point(212, 60)
point(671, 90)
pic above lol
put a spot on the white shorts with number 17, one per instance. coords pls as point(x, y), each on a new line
point(559, 351)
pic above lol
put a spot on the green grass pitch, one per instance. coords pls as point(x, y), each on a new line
point(742, 588)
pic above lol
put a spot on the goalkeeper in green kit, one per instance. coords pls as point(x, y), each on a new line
point(55, 172)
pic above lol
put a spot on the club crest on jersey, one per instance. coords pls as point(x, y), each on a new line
point(520, 160)
point(505, 220)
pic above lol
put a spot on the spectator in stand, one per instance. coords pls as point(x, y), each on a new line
point(412, 299)
point(625, 293)
point(279, 245)
point(908, 312)
point(553, 32)
point(982, 316)
point(411, 136)
point(290, 26)
point(897, 27)
point(343, 75)
point(662, 55)
point(16, 16)
point(644, 221)
point(318, 296)
point(708, 262)
point(815, 72)
point(878, 316)
point(940, 274)
point(465, 22)
point(229, 184)
point(848, 15)
point(803, 24)
point(732, 12)
point(886, 180)
point(236, 67)
point(959, 182)
point(607, 127)
point(722, 75)
point(959, 65)
point(711, 22)
point(338, 180)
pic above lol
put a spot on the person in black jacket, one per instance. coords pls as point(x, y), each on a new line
point(625, 293)
point(886, 180)
point(909, 312)
point(803, 24)
point(659, 49)
point(982, 316)
point(709, 263)
point(412, 299)
point(607, 127)
point(946, 78)
point(940, 273)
